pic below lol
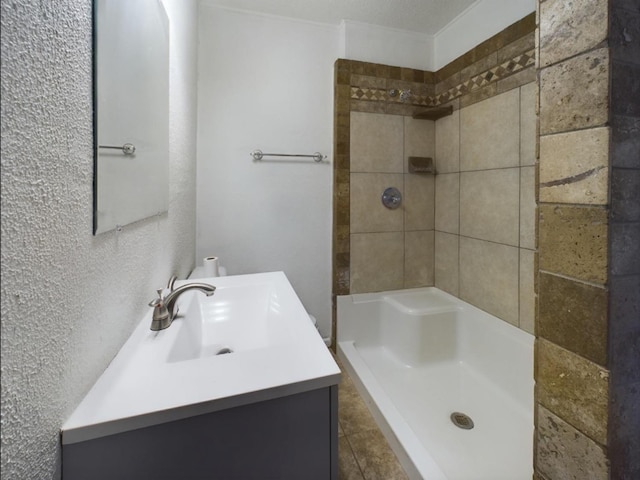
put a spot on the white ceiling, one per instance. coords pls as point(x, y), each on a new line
point(424, 16)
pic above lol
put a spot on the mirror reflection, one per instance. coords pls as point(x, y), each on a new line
point(131, 116)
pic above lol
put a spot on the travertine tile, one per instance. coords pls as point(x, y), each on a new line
point(353, 414)
point(448, 143)
point(419, 202)
point(478, 95)
point(528, 208)
point(368, 107)
point(489, 277)
point(562, 452)
point(518, 79)
point(574, 388)
point(448, 82)
point(419, 139)
point(527, 292)
point(528, 120)
point(574, 316)
point(522, 45)
point(366, 81)
point(377, 262)
point(568, 28)
point(489, 205)
point(375, 457)
point(490, 133)
point(574, 94)
point(481, 65)
point(447, 202)
point(368, 214)
point(377, 142)
point(446, 262)
point(347, 466)
point(573, 241)
point(574, 167)
point(418, 259)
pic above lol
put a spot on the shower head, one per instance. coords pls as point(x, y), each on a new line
point(405, 95)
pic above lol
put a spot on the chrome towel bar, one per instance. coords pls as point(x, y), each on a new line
point(259, 155)
point(127, 148)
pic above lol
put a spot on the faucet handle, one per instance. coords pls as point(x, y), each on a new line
point(158, 302)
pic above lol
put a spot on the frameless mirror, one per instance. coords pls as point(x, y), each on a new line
point(131, 112)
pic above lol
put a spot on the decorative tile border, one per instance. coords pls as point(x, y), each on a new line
point(499, 72)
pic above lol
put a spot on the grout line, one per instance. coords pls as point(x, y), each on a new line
point(519, 204)
point(355, 458)
point(458, 292)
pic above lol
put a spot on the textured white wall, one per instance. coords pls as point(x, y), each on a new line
point(69, 299)
point(266, 82)
point(479, 22)
point(389, 46)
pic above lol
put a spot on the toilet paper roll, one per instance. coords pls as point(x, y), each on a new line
point(211, 266)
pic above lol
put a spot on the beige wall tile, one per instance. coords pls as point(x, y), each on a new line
point(490, 133)
point(377, 262)
point(377, 142)
point(419, 202)
point(447, 202)
point(573, 167)
point(528, 208)
point(568, 28)
point(489, 205)
point(368, 214)
point(573, 388)
point(489, 277)
point(447, 138)
point(528, 120)
point(565, 453)
point(418, 259)
point(527, 293)
point(446, 262)
point(419, 139)
point(574, 94)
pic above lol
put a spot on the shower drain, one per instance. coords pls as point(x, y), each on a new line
point(461, 420)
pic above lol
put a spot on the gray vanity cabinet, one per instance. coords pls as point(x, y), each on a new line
point(293, 437)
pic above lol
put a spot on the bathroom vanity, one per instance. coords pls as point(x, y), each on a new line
point(174, 404)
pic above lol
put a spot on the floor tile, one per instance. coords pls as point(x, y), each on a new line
point(347, 466)
point(374, 456)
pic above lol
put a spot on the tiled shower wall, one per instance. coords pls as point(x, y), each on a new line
point(390, 249)
point(588, 324)
point(480, 203)
point(485, 203)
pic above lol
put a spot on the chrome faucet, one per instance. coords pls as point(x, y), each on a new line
point(164, 310)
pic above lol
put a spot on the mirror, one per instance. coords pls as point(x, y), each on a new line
point(131, 112)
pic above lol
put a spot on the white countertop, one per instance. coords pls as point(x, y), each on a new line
point(141, 388)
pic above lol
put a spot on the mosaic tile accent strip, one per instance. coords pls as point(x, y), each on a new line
point(382, 95)
point(503, 70)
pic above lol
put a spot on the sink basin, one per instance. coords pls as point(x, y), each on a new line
point(183, 371)
point(235, 319)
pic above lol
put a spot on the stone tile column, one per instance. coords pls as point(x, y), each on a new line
point(588, 317)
